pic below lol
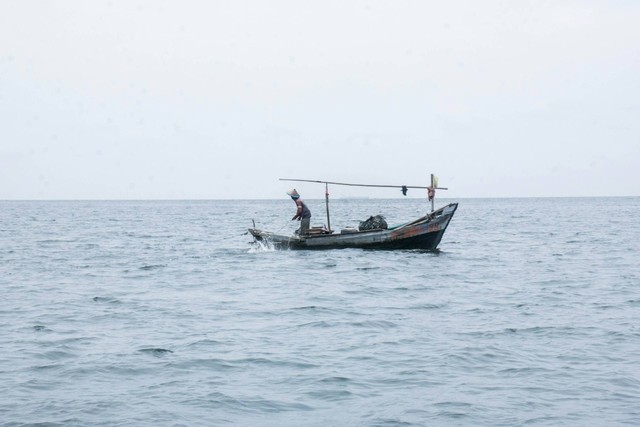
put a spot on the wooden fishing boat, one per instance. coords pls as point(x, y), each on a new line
point(423, 233)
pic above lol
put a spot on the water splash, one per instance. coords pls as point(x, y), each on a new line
point(261, 246)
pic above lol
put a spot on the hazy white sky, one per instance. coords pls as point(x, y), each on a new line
point(206, 99)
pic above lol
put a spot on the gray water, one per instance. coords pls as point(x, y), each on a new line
point(164, 313)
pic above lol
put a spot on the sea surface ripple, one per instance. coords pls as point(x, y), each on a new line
point(152, 313)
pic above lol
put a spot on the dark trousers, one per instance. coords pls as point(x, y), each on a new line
point(304, 225)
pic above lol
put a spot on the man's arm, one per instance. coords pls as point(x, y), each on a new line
point(298, 214)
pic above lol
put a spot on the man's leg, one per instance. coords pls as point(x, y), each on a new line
point(304, 226)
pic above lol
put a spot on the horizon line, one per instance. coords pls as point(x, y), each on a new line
point(312, 198)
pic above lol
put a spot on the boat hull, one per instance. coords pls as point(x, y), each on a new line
point(424, 233)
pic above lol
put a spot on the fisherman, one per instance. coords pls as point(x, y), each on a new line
point(303, 214)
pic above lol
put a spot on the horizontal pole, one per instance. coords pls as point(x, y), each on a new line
point(358, 185)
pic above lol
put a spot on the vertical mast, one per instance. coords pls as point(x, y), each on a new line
point(326, 198)
point(434, 196)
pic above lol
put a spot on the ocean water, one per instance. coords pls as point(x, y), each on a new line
point(163, 313)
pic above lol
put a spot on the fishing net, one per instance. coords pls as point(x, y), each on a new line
point(373, 223)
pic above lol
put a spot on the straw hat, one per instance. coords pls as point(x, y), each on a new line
point(293, 193)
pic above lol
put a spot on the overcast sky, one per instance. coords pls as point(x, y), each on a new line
point(188, 99)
